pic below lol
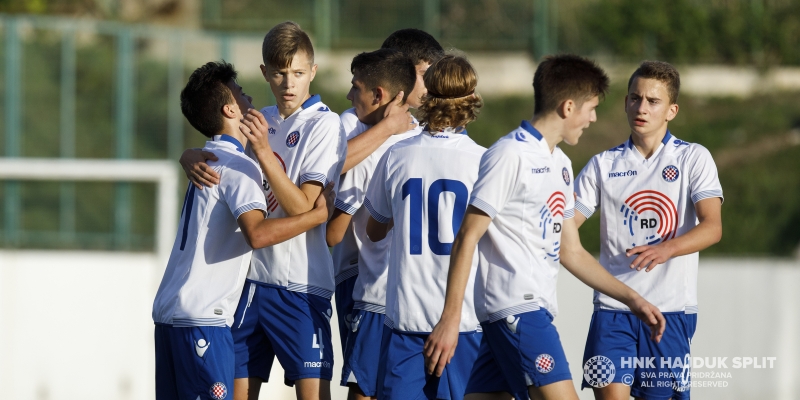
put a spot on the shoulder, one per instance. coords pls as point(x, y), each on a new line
point(241, 163)
point(612, 153)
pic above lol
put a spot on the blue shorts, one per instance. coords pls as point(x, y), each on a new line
point(274, 322)
point(363, 351)
point(401, 370)
point(619, 350)
point(194, 363)
point(519, 351)
point(344, 307)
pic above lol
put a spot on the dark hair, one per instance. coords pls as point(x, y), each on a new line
point(205, 94)
point(451, 101)
point(661, 71)
point(282, 42)
point(564, 77)
point(387, 68)
point(416, 44)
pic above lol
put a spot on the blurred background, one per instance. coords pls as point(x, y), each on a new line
point(83, 243)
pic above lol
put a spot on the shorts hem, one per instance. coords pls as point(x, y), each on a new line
point(643, 394)
point(309, 376)
point(550, 379)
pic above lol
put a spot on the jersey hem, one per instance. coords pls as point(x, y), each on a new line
point(249, 207)
point(586, 211)
point(378, 217)
point(483, 206)
point(347, 208)
point(346, 274)
point(313, 176)
point(514, 310)
point(373, 308)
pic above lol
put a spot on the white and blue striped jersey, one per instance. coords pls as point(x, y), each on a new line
point(311, 146)
point(646, 202)
point(423, 184)
point(527, 191)
point(208, 264)
point(356, 254)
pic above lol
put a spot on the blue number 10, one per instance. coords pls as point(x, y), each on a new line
point(413, 189)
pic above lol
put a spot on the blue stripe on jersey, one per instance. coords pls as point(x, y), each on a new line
point(345, 207)
point(518, 309)
point(317, 291)
point(378, 217)
point(569, 213)
point(231, 139)
point(311, 101)
point(249, 207)
point(483, 206)
point(360, 305)
point(347, 274)
point(187, 206)
point(314, 176)
point(667, 137)
point(528, 127)
point(191, 322)
point(583, 209)
point(706, 194)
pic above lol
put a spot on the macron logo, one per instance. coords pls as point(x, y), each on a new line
point(200, 347)
point(622, 174)
point(512, 322)
point(543, 170)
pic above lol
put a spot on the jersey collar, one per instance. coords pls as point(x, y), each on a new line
point(530, 129)
point(311, 101)
point(664, 142)
point(229, 139)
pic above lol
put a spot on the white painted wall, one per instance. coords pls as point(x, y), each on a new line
point(77, 325)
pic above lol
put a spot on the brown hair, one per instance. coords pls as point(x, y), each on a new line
point(660, 71)
point(387, 68)
point(564, 77)
point(282, 42)
point(451, 100)
point(204, 96)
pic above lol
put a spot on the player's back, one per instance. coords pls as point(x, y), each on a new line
point(427, 182)
point(209, 259)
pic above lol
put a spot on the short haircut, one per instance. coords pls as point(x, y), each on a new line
point(205, 94)
point(564, 77)
point(660, 71)
point(451, 101)
point(387, 68)
point(282, 42)
point(418, 45)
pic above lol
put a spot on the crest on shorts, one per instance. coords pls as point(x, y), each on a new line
point(565, 175)
point(599, 371)
point(545, 363)
point(292, 139)
point(218, 391)
point(670, 173)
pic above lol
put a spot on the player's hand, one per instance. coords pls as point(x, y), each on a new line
point(255, 127)
point(650, 315)
point(440, 346)
point(325, 201)
point(396, 117)
point(193, 162)
point(649, 256)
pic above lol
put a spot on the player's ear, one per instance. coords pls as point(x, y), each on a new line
point(263, 71)
point(380, 95)
point(313, 72)
point(672, 112)
point(566, 108)
point(229, 111)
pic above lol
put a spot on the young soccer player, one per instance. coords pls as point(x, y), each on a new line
point(285, 309)
point(659, 200)
point(193, 309)
point(424, 50)
point(377, 77)
point(523, 201)
point(421, 186)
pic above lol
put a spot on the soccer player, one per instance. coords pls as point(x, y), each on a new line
point(523, 201)
point(377, 78)
point(659, 200)
point(424, 50)
point(421, 187)
point(193, 309)
point(285, 309)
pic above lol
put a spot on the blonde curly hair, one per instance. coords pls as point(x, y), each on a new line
point(451, 101)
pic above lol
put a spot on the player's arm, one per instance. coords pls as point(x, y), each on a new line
point(441, 344)
point(377, 231)
point(337, 227)
point(396, 120)
point(292, 199)
point(581, 264)
point(193, 162)
point(260, 232)
point(705, 234)
point(579, 219)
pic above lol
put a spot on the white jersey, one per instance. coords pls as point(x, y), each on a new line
point(527, 191)
point(423, 184)
point(311, 146)
point(207, 267)
point(356, 254)
point(646, 202)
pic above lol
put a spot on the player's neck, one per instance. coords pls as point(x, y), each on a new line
point(286, 109)
point(551, 127)
point(229, 130)
point(648, 143)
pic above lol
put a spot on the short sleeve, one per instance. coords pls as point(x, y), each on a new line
point(569, 208)
point(703, 178)
point(378, 199)
point(587, 190)
point(323, 160)
point(239, 187)
point(353, 187)
point(497, 177)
